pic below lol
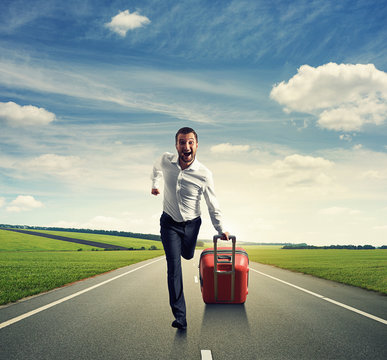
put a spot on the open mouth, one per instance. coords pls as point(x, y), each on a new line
point(186, 156)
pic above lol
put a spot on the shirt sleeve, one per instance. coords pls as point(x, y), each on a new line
point(213, 205)
point(157, 174)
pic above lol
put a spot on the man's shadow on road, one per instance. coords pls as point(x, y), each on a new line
point(221, 318)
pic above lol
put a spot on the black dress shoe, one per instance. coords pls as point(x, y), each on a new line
point(179, 325)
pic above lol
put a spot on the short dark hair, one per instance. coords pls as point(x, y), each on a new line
point(186, 130)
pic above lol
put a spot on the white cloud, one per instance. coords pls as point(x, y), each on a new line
point(297, 170)
point(120, 222)
point(345, 97)
point(100, 166)
point(28, 115)
point(229, 148)
point(97, 86)
point(125, 21)
point(352, 116)
point(56, 165)
point(357, 147)
point(337, 210)
point(374, 175)
point(113, 223)
point(382, 227)
point(346, 137)
point(296, 161)
point(283, 196)
point(24, 203)
point(136, 88)
point(2, 202)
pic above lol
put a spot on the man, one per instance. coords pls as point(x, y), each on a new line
point(185, 180)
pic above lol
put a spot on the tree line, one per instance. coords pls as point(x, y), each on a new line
point(100, 232)
point(347, 247)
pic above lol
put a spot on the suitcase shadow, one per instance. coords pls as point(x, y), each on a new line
point(232, 318)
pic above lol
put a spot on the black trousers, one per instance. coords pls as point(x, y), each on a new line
point(179, 240)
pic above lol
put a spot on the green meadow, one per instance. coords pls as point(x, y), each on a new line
point(13, 241)
point(363, 268)
point(31, 264)
point(128, 242)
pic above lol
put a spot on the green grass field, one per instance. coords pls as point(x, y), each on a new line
point(28, 273)
point(363, 268)
point(13, 241)
point(108, 239)
point(31, 264)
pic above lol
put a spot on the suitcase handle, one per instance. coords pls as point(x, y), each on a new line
point(219, 237)
point(225, 257)
point(216, 272)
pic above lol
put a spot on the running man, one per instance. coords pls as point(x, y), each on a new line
point(185, 180)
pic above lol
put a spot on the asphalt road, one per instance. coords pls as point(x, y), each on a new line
point(125, 315)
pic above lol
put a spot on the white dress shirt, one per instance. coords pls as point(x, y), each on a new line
point(183, 189)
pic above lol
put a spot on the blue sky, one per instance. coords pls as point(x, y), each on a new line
point(289, 99)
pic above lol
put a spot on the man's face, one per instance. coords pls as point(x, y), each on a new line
point(186, 147)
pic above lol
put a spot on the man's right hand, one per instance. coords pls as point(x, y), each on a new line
point(155, 192)
point(225, 236)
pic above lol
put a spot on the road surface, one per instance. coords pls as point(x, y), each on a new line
point(125, 315)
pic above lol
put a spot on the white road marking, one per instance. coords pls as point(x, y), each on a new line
point(373, 317)
point(45, 307)
point(196, 279)
point(206, 355)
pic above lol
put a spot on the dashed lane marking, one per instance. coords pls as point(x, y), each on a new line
point(370, 316)
point(45, 307)
point(206, 355)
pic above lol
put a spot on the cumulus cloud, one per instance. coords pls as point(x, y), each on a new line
point(28, 115)
point(120, 222)
point(374, 175)
point(229, 148)
point(297, 161)
point(337, 210)
point(345, 97)
point(346, 137)
point(56, 164)
point(24, 203)
point(125, 21)
point(298, 170)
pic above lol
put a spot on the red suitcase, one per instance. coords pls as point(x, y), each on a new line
point(224, 273)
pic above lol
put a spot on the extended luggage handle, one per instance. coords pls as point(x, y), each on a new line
point(216, 271)
point(219, 237)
